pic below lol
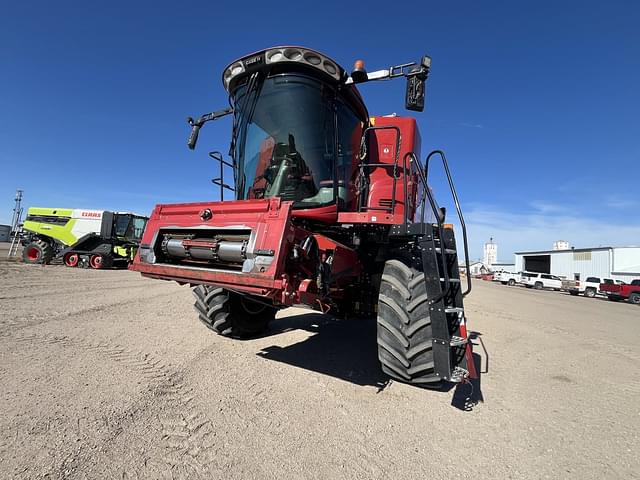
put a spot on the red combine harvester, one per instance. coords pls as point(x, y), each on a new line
point(332, 211)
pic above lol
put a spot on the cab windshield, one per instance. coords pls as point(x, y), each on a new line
point(285, 145)
point(130, 227)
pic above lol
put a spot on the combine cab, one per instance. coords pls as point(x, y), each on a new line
point(331, 211)
point(90, 238)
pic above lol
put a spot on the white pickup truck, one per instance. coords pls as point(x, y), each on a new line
point(507, 278)
point(589, 287)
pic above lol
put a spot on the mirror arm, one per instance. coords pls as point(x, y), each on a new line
point(197, 124)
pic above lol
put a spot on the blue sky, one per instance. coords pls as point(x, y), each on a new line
point(535, 103)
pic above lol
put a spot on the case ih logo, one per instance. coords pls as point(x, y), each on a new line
point(91, 214)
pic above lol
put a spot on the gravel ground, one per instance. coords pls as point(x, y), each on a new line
point(106, 374)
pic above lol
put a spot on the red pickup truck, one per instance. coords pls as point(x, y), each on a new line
point(619, 292)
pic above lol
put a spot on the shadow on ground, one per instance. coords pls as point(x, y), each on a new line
point(345, 349)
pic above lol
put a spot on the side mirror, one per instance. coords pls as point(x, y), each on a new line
point(195, 129)
point(416, 80)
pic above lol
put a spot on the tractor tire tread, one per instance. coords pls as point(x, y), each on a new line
point(46, 252)
point(223, 312)
point(404, 335)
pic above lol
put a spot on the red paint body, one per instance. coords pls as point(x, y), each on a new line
point(283, 282)
point(279, 228)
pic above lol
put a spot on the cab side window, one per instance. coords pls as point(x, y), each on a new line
point(349, 134)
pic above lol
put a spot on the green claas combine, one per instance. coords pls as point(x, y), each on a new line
point(81, 238)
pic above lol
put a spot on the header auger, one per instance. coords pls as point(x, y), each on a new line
point(332, 211)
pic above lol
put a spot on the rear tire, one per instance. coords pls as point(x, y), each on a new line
point(538, 286)
point(37, 251)
point(511, 282)
point(230, 314)
point(574, 292)
point(590, 293)
point(404, 325)
point(634, 298)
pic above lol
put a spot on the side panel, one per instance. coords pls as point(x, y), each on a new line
point(63, 224)
point(86, 221)
point(382, 149)
point(382, 195)
point(55, 223)
point(106, 228)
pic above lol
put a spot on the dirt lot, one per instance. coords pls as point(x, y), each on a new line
point(109, 375)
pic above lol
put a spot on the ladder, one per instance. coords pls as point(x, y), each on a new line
point(15, 242)
point(452, 353)
point(435, 242)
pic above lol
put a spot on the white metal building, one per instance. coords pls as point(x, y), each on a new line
point(503, 267)
point(476, 268)
point(618, 263)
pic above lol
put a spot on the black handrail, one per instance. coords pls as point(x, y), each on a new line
point(217, 156)
point(456, 202)
point(363, 154)
point(434, 208)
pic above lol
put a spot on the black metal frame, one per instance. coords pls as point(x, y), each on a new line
point(364, 177)
point(456, 202)
point(217, 156)
point(437, 248)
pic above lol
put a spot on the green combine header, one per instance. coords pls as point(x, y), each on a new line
point(81, 238)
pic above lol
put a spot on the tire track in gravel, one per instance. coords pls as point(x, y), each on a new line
point(68, 288)
point(8, 326)
point(187, 434)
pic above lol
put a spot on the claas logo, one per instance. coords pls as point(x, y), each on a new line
point(92, 214)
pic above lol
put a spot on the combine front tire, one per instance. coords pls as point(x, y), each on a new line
point(37, 251)
point(230, 314)
point(404, 325)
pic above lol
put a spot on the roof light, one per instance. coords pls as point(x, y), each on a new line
point(285, 55)
point(359, 74)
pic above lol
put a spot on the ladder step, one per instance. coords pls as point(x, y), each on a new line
point(454, 310)
point(448, 251)
point(458, 341)
point(458, 374)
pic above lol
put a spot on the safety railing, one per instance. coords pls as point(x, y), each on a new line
point(363, 174)
point(217, 156)
point(426, 194)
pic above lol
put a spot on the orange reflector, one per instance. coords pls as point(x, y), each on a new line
point(448, 225)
